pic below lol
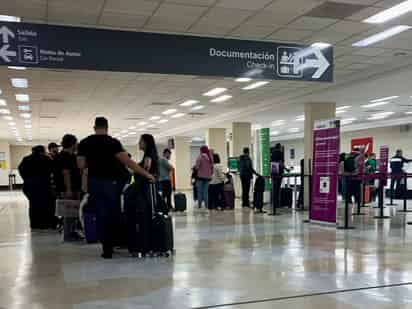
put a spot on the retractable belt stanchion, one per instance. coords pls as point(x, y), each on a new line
point(275, 195)
point(405, 194)
point(310, 199)
point(359, 201)
point(347, 196)
point(380, 200)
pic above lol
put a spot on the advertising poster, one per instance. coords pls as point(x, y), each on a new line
point(264, 139)
point(325, 169)
point(365, 143)
point(384, 162)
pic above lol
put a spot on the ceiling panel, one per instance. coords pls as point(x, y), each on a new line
point(244, 4)
point(138, 7)
point(311, 23)
point(122, 20)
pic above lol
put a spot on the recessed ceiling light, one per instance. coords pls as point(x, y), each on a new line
point(196, 108)
point(11, 18)
point(339, 108)
point(8, 118)
point(221, 99)
point(255, 85)
point(24, 108)
point(381, 36)
point(4, 111)
point(25, 115)
point(391, 13)
point(214, 92)
point(142, 123)
point(22, 97)
point(243, 79)
point(278, 123)
point(340, 111)
point(19, 82)
point(163, 120)
point(374, 104)
point(321, 45)
point(189, 103)
point(385, 99)
point(293, 130)
point(155, 118)
point(169, 111)
point(178, 115)
point(17, 68)
point(3, 102)
point(273, 133)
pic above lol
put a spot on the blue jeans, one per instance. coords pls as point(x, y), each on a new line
point(104, 199)
point(202, 192)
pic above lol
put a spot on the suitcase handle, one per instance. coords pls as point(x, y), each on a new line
point(153, 198)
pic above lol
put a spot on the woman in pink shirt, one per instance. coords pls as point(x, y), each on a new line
point(204, 169)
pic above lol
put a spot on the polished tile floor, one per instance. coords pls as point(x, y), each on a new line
point(233, 260)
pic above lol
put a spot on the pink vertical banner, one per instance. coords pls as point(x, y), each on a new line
point(325, 170)
point(384, 162)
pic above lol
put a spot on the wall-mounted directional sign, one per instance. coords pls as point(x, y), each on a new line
point(47, 46)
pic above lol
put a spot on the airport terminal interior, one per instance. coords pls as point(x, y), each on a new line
point(289, 129)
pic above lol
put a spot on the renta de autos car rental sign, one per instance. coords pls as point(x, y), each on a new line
point(48, 46)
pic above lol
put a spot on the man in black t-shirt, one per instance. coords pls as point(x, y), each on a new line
point(101, 154)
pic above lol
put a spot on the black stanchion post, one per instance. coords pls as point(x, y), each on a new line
point(310, 198)
point(391, 190)
point(347, 197)
point(380, 201)
point(405, 194)
point(363, 193)
point(275, 193)
point(359, 201)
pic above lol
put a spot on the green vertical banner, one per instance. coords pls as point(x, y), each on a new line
point(264, 140)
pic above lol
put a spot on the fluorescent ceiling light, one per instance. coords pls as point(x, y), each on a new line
point(196, 108)
point(25, 115)
point(408, 113)
point(132, 128)
point(374, 104)
point(141, 129)
point(214, 92)
point(123, 131)
point(385, 99)
point(278, 123)
point(255, 85)
point(300, 118)
point(339, 108)
point(24, 108)
point(178, 115)
point(27, 126)
point(3, 102)
point(17, 68)
point(27, 120)
point(340, 111)
point(293, 130)
point(19, 82)
point(379, 116)
point(163, 120)
point(151, 126)
point(321, 45)
point(155, 118)
point(133, 133)
point(4, 111)
point(169, 111)
point(273, 133)
point(8, 118)
point(142, 123)
point(243, 79)
point(221, 99)
point(391, 13)
point(10, 18)
point(22, 97)
point(189, 103)
point(12, 124)
point(347, 120)
point(381, 36)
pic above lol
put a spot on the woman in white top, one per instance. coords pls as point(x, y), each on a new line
point(216, 193)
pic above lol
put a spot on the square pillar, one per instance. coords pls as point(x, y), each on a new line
point(182, 163)
point(216, 140)
point(241, 137)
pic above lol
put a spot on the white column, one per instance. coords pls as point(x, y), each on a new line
point(216, 140)
point(181, 161)
point(313, 112)
point(241, 138)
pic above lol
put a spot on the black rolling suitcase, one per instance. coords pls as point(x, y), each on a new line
point(258, 193)
point(162, 241)
point(286, 197)
point(180, 201)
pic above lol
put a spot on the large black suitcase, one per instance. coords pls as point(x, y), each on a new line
point(162, 241)
point(286, 197)
point(180, 201)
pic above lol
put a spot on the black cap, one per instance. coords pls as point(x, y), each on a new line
point(101, 123)
point(52, 145)
point(38, 149)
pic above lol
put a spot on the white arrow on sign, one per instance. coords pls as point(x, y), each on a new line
point(5, 53)
point(321, 63)
point(6, 33)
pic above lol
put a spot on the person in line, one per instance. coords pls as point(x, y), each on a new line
point(68, 180)
point(36, 170)
point(165, 169)
point(397, 165)
point(100, 154)
point(204, 169)
point(216, 193)
point(371, 168)
point(341, 176)
point(246, 172)
point(53, 150)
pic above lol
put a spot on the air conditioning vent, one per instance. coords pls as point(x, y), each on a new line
point(405, 105)
point(52, 100)
point(133, 118)
point(335, 10)
point(196, 114)
point(374, 111)
point(48, 117)
point(405, 128)
point(160, 103)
